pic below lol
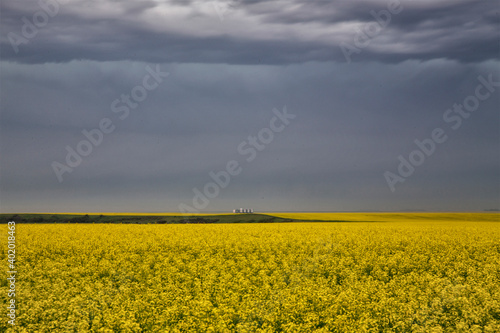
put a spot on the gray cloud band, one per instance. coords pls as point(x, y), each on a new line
point(32, 25)
point(453, 117)
point(222, 7)
point(370, 30)
point(327, 26)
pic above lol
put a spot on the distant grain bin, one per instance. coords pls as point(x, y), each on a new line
point(243, 211)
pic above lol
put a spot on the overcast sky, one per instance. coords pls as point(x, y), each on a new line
point(312, 105)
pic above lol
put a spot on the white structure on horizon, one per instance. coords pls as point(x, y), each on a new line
point(243, 210)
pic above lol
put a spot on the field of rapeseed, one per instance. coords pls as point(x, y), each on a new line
point(292, 277)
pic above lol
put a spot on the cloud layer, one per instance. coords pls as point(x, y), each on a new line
point(251, 32)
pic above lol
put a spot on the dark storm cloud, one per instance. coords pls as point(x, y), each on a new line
point(252, 32)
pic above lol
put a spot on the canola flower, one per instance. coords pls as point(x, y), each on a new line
point(289, 277)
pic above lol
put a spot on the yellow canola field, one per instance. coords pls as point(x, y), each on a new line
point(290, 277)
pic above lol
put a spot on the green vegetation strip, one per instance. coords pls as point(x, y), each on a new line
point(141, 219)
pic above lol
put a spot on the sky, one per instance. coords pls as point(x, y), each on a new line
point(207, 106)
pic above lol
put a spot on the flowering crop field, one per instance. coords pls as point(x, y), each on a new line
point(407, 276)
